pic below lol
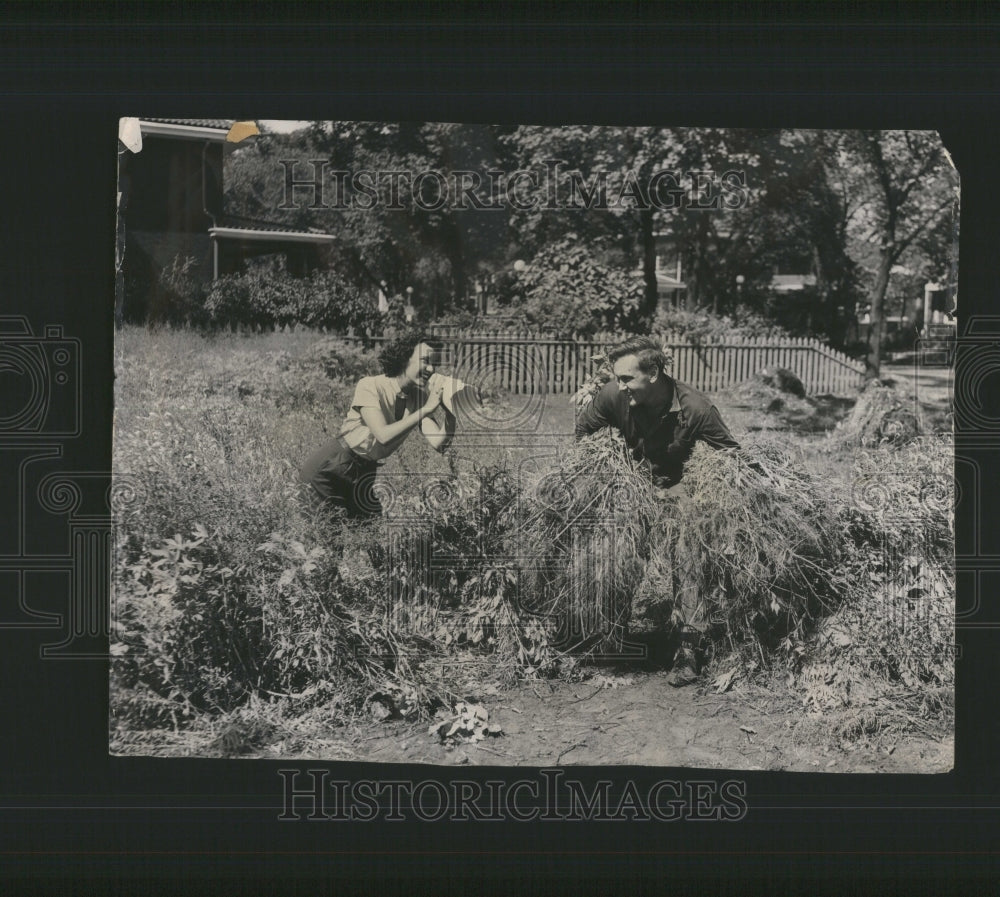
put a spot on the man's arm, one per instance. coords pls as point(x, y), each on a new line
point(715, 432)
point(599, 413)
point(705, 425)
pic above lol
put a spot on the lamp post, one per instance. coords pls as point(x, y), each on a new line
point(740, 280)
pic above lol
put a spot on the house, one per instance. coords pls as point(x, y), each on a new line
point(171, 210)
point(795, 275)
point(669, 283)
point(792, 283)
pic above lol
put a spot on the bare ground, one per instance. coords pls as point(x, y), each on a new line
point(637, 719)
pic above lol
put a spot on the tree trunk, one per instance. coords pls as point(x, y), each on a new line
point(651, 293)
point(876, 316)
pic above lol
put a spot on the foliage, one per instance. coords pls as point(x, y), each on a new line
point(894, 633)
point(567, 291)
point(845, 206)
point(230, 586)
point(339, 359)
point(181, 292)
point(390, 237)
point(232, 591)
point(698, 327)
point(268, 298)
point(903, 189)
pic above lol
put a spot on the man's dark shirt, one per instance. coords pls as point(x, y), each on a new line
point(665, 439)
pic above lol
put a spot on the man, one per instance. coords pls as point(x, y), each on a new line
point(660, 419)
point(384, 411)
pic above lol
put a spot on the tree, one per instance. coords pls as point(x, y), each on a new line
point(624, 186)
point(568, 292)
point(389, 226)
point(904, 186)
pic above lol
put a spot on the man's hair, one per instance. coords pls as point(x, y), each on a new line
point(396, 353)
point(648, 354)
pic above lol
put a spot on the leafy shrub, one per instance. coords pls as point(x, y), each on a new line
point(700, 327)
point(341, 360)
point(181, 292)
point(268, 297)
point(230, 587)
point(467, 526)
point(566, 290)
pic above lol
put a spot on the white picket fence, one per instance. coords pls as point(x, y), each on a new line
point(531, 362)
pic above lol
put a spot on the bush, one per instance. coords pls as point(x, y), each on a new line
point(341, 360)
point(703, 327)
point(230, 587)
point(267, 298)
point(567, 291)
point(893, 634)
point(182, 293)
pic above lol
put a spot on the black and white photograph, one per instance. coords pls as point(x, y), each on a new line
point(534, 446)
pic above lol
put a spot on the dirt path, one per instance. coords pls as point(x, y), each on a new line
point(930, 389)
point(638, 719)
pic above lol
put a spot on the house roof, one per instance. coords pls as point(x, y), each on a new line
point(214, 129)
point(221, 123)
point(666, 282)
point(235, 228)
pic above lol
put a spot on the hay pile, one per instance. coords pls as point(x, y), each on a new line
point(884, 662)
point(754, 536)
point(583, 540)
point(880, 416)
point(782, 379)
point(753, 539)
point(897, 621)
point(770, 390)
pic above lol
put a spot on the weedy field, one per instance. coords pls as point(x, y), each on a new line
point(510, 606)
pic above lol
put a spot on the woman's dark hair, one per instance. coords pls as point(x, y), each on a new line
point(396, 353)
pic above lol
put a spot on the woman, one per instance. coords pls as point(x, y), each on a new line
point(384, 411)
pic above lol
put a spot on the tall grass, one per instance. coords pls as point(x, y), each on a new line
point(220, 543)
point(230, 585)
point(232, 589)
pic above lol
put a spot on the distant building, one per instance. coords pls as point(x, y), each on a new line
point(172, 209)
point(795, 275)
point(791, 283)
point(669, 280)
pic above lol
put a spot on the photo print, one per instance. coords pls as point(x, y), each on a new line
point(512, 445)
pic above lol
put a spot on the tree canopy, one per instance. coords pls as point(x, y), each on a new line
point(590, 210)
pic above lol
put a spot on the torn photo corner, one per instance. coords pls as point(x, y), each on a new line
point(699, 453)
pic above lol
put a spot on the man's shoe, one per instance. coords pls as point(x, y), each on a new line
point(685, 669)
